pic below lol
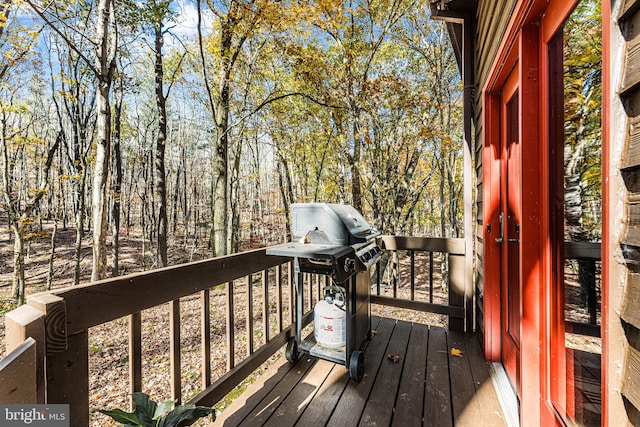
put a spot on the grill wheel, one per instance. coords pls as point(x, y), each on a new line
point(356, 365)
point(292, 350)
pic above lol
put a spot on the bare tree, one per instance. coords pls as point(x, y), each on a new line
point(103, 66)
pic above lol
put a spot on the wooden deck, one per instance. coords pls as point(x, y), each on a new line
point(584, 391)
point(430, 384)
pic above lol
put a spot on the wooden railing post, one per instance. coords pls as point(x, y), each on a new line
point(67, 359)
point(20, 324)
point(456, 289)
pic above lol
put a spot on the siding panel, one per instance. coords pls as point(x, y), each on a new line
point(632, 237)
point(631, 155)
point(629, 91)
point(630, 312)
point(631, 376)
point(631, 77)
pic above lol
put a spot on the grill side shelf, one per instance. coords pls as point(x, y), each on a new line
point(310, 250)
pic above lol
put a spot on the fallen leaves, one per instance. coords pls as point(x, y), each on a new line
point(456, 352)
point(393, 357)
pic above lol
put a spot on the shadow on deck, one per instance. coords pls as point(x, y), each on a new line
point(440, 378)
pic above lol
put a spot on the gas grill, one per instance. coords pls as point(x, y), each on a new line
point(336, 241)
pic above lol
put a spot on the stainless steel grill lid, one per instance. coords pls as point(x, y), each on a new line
point(330, 223)
point(330, 239)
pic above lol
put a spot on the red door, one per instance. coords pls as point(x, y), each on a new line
point(510, 217)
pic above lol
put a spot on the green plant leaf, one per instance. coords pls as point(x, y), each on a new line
point(163, 409)
point(145, 408)
point(120, 416)
point(182, 413)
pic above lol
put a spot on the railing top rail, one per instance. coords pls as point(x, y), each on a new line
point(453, 246)
point(106, 300)
point(95, 303)
point(582, 250)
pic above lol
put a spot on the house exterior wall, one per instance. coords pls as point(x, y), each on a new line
point(492, 18)
point(622, 343)
point(621, 196)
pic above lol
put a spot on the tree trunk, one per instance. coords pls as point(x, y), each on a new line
point(220, 104)
point(99, 189)
point(220, 202)
point(105, 64)
point(220, 177)
point(176, 196)
point(186, 209)
point(573, 212)
point(79, 227)
point(52, 254)
point(161, 142)
point(18, 288)
point(235, 201)
point(443, 216)
point(19, 220)
point(286, 192)
point(116, 190)
point(356, 190)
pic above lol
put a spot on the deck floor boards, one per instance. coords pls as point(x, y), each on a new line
point(437, 400)
point(427, 385)
point(409, 403)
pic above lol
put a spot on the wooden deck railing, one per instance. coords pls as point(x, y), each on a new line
point(59, 321)
point(587, 253)
point(451, 250)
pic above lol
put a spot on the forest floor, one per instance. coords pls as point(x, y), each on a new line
point(108, 343)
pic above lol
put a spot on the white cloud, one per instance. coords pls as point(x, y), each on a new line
point(187, 20)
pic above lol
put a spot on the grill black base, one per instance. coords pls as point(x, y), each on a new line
point(358, 324)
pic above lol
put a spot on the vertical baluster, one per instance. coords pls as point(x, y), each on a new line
point(378, 278)
point(592, 298)
point(396, 276)
point(456, 268)
point(309, 280)
point(279, 298)
point(413, 275)
point(135, 354)
point(431, 277)
point(249, 315)
point(327, 282)
point(265, 304)
point(231, 348)
point(174, 333)
point(205, 337)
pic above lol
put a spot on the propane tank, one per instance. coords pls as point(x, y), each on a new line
point(329, 319)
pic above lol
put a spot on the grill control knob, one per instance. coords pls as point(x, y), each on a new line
point(349, 264)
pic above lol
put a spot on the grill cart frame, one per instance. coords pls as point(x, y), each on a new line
point(342, 246)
